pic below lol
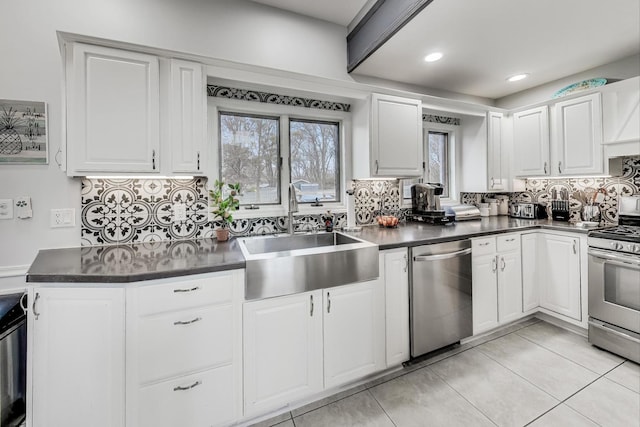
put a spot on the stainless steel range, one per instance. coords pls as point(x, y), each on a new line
point(614, 283)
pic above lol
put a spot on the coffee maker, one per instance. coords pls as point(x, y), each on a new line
point(425, 204)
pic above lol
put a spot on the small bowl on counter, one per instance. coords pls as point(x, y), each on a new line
point(388, 221)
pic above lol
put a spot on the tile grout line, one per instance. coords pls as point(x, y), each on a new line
point(565, 357)
point(464, 398)
point(381, 407)
point(563, 402)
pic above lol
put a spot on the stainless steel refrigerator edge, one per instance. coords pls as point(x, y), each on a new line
point(440, 294)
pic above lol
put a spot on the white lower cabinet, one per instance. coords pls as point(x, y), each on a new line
point(394, 268)
point(530, 271)
point(184, 351)
point(497, 281)
point(282, 350)
point(560, 283)
point(354, 338)
point(76, 355)
point(297, 345)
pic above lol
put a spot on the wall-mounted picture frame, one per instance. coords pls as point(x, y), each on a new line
point(23, 133)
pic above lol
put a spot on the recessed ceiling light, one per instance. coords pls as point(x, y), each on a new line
point(517, 77)
point(432, 57)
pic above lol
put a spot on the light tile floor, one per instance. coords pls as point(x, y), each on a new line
point(531, 374)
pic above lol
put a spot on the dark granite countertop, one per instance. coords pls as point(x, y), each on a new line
point(135, 262)
point(148, 261)
point(415, 233)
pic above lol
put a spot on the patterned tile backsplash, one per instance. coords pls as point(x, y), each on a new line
point(538, 190)
point(141, 210)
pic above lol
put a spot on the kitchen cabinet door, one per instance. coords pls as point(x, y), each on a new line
point(485, 293)
point(354, 332)
point(113, 122)
point(560, 282)
point(395, 266)
point(77, 357)
point(509, 286)
point(497, 159)
point(396, 136)
point(531, 142)
point(531, 271)
point(621, 112)
point(282, 350)
point(187, 99)
point(578, 136)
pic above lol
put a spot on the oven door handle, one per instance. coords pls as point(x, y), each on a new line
point(622, 261)
point(438, 257)
point(612, 331)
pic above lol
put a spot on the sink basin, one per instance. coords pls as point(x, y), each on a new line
point(283, 265)
point(256, 246)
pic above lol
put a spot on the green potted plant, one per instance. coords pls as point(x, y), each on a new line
point(223, 201)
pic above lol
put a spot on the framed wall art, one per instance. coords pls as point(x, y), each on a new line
point(23, 132)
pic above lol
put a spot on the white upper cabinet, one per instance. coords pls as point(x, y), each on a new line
point(393, 145)
point(497, 153)
point(112, 111)
point(133, 113)
point(578, 136)
point(621, 112)
point(531, 142)
point(187, 99)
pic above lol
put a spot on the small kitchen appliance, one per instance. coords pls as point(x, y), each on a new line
point(614, 283)
point(425, 204)
point(528, 211)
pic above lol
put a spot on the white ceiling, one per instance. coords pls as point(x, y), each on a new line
point(484, 42)
point(337, 11)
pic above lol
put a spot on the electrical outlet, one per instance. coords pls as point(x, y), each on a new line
point(179, 212)
point(63, 218)
point(6, 208)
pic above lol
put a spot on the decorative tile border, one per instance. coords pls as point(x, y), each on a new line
point(430, 118)
point(274, 98)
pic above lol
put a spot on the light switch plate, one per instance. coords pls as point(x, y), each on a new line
point(6, 208)
point(63, 218)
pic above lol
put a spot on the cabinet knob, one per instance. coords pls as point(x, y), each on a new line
point(559, 167)
point(153, 159)
point(311, 310)
point(377, 167)
point(198, 165)
point(494, 264)
point(177, 291)
point(328, 302)
point(503, 264)
point(406, 263)
point(189, 387)
point(574, 248)
point(545, 168)
point(187, 322)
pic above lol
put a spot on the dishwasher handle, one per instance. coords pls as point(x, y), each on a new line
point(420, 258)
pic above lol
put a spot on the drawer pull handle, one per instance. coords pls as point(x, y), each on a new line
point(187, 322)
point(186, 290)
point(510, 240)
point(483, 244)
point(189, 387)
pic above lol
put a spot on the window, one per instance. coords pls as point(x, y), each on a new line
point(315, 165)
point(250, 155)
point(437, 167)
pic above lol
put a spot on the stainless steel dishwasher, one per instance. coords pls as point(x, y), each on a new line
point(441, 309)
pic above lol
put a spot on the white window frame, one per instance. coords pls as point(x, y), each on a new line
point(284, 112)
point(453, 133)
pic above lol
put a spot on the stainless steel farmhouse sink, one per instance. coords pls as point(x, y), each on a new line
point(299, 263)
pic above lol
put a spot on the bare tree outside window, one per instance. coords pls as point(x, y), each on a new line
point(438, 161)
point(437, 164)
point(250, 155)
point(315, 165)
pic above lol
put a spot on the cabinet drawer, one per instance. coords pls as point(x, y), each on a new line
point(484, 246)
point(202, 399)
point(185, 294)
point(508, 242)
point(185, 341)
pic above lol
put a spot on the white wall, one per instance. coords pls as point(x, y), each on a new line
point(31, 69)
point(619, 70)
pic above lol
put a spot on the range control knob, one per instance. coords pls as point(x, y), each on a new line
point(617, 246)
point(636, 249)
